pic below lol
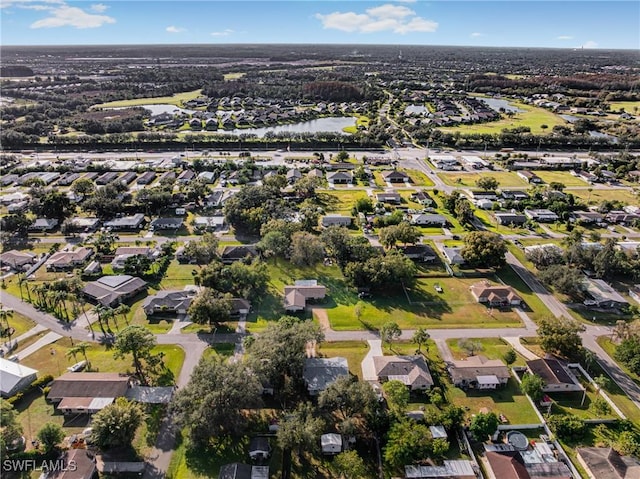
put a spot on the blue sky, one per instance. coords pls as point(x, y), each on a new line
point(519, 23)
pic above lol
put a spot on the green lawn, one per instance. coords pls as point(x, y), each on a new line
point(563, 177)
point(418, 178)
point(354, 351)
point(177, 99)
point(505, 179)
point(629, 106)
point(340, 201)
point(178, 275)
point(20, 323)
point(492, 348)
point(597, 196)
point(421, 306)
point(533, 117)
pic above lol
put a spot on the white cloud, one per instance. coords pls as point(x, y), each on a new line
point(564, 37)
point(31, 4)
point(406, 1)
point(66, 16)
point(590, 44)
point(387, 17)
point(99, 7)
point(476, 34)
point(174, 29)
point(224, 33)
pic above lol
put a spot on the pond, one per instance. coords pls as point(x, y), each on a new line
point(158, 109)
point(413, 109)
point(569, 118)
point(332, 124)
point(498, 103)
point(597, 134)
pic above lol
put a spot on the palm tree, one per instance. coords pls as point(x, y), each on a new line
point(26, 287)
point(5, 314)
point(98, 310)
point(82, 349)
point(123, 309)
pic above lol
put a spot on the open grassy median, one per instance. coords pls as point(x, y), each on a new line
point(504, 178)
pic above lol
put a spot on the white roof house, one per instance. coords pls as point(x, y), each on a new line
point(331, 443)
point(14, 377)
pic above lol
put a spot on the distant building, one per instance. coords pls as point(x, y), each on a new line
point(124, 223)
point(529, 177)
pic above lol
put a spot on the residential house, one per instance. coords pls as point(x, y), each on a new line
point(320, 373)
point(106, 177)
point(587, 176)
point(606, 463)
point(423, 198)
point(87, 393)
point(412, 371)
point(186, 176)
point(498, 295)
point(529, 177)
point(484, 195)
point(238, 253)
point(336, 220)
point(508, 218)
point(123, 253)
point(296, 296)
point(17, 260)
point(14, 377)
point(240, 307)
point(389, 197)
point(428, 219)
point(43, 224)
point(316, 173)
point(556, 376)
point(126, 223)
point(514, 195)
point(603, 295)
point(129, 176)
point(113, 290)
point(484, 204)
point(167, 301)
point(293, 175)
point(453, 254)
point(588, 217)
point(93, 269)
point(209, 177)
point(331, 443)
point(450, 469)
point(146, 178)
point(541, 215)
point(74, 464)
point(419, 252)
point(340, 178)
point(622, 217)
point(67, 178)
point(69, 259)
point(85, 224)
point(478, 372)
point(208, 223)
point(395, 176)
point(166, 223)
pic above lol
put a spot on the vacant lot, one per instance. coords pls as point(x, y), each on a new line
point(492, 348)
point(595, 196)
point(563, 177)
point(628, 106)
point(177, 100)
point(533, 117)
point(505, 179)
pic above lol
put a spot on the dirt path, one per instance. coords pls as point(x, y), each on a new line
point(323, 319)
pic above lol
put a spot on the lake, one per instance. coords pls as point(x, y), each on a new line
point(415, 109)
point(498, 103)
point(333, 124)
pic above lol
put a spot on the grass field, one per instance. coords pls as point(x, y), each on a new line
point(20, 323)
point(177, 100)
point(505, 179)
point(340, 201)
point(598, 195)
point(563, 177)
point(533, 117)
point(418, 178)
point(629, 106)
point(353, 351)
point(492, 348)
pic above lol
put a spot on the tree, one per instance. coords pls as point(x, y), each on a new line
point(104, 242)
point(254, 206)
point(544, 256)
point(407, 442)
point(510, 357)
point(306, 249)
point(469, 346)
point(214, 402)
point(300, 429)
point(487, 183)
point(566, 426)
point(364, 205)
point(348, 465)
point(50, 435)
point(210, 306)
point(389, 332)
point(54, 204)
point(533, 386)
point(628, 353)
point(484, 425)
point(202, 251)
point(564, 279)
point(600, 406)
point(627, 443)
point(137, 341)
point(561, 336)
point(274, 243)
point(83, 186)
point(79, 349)
point(137, 265)
point(349, 397)
point(421, 338)
point(240, 279)
point(401, 233)
point(382, 272)
point(397, 396)
point(115, 425)
point(10, 428)
point(484, 249)
point(279, 351)
point(306, 186)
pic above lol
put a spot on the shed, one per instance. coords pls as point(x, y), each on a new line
point(331, 443)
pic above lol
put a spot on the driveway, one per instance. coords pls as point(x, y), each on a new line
point(368, 368)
